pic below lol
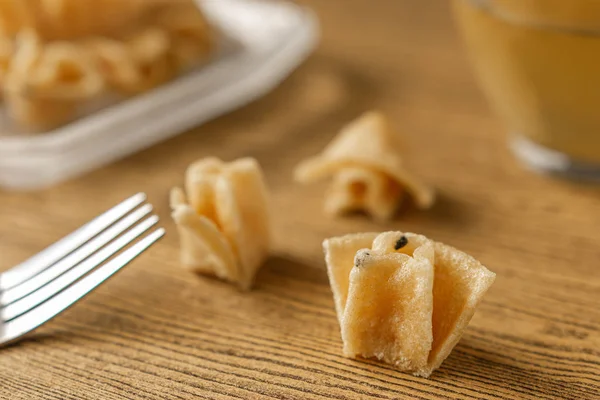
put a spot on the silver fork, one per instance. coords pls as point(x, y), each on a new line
point(40, 288)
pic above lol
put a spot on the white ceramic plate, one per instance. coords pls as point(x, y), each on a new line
point(266, 41)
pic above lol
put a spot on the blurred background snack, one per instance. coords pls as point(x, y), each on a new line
point(132, 82)
point(58, 55)
point(72, 19)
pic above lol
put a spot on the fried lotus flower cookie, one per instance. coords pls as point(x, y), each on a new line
point(402, 298)
point(192, 37)
point(367, 171)
point(222, 219)
point(46, 82)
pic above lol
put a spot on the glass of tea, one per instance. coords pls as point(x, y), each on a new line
point(538, 63)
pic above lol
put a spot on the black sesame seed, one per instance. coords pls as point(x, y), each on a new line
point(403, 241)
point(359, 260)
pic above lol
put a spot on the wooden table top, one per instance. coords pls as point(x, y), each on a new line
point(156, 331)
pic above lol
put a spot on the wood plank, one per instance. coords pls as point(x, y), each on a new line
point(157, 332)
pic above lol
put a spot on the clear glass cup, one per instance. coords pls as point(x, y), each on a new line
point(538, 63)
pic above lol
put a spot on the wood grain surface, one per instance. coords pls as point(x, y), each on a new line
point(156, 331)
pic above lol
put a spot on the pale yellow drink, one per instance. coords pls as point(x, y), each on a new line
point(538, 62)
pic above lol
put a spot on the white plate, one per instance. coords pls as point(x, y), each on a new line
point(266, 41)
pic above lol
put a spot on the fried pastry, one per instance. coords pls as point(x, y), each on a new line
point(367, 171)
point(224, 221)
point(402, 298)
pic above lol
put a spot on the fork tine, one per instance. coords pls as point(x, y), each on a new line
point(34, 299)
point(65, 264)
point(66, 245)
point(51, 308)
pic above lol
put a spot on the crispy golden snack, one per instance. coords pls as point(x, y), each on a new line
point(116, 64)
point(149, 49)
point(460, 283)
point(203, 247)
point(62, 71)
point(71, 19)
point(7, 49)
point(339, 257)
point(224, 224)
point(404, 299)
point(191, 35)
point(362, 188)
point(367, 170)
point(59, 56)
point(45, 83)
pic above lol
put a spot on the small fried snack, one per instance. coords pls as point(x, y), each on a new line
point(459, 285)
point(191, 35)
point(70, 19)
point(367, 171)
point(61, 59)
point(56, 70)
point(35, 114)
point(7, 49)
point(115, 62)
point(27, 102)
point(149, 49)
point(26, 53)
point(65, 72)
point(14, 16)
point(224, 222)
point(339, 257)
point(404, 299)
point(47, 82)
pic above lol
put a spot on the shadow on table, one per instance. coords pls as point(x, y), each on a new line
point(278, 267)
point(47, 338)
point(449, 210)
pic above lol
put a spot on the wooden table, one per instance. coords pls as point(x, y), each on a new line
point(158, 332)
